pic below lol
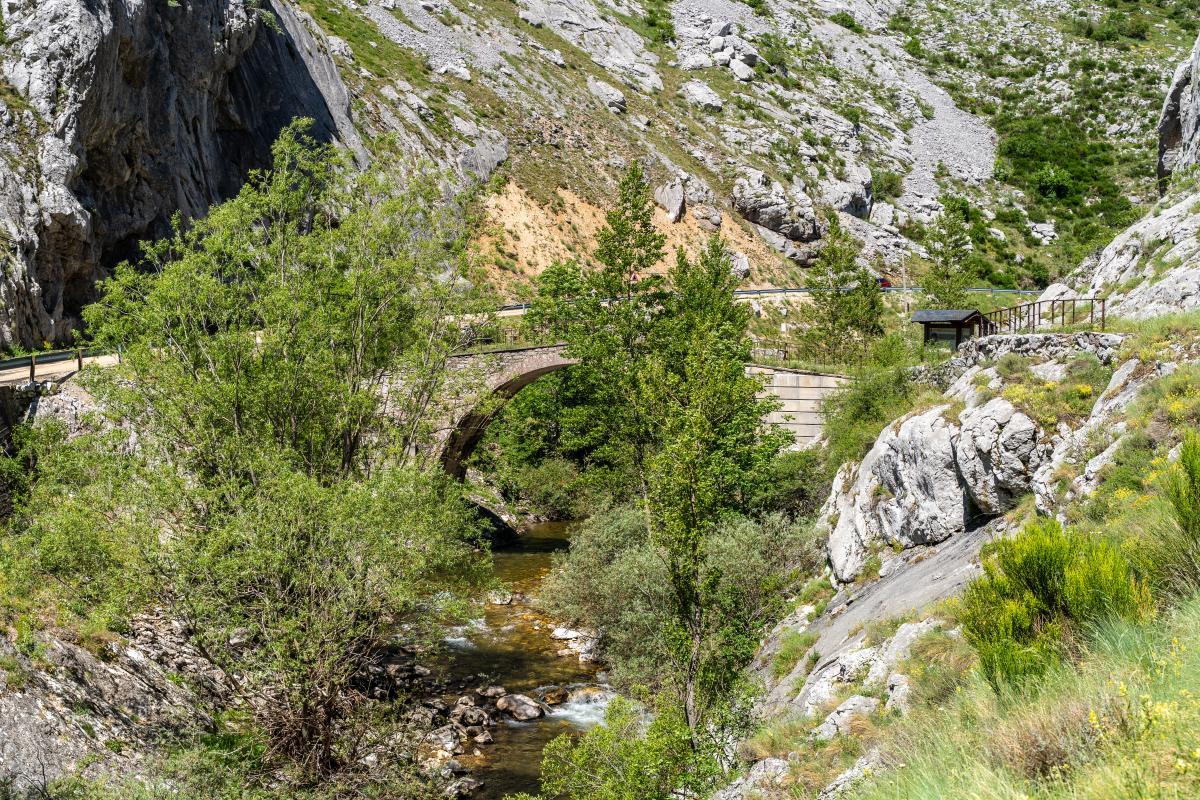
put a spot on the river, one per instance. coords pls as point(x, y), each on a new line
point(512, 646)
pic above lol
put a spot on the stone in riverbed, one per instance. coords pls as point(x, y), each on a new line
point(519, 707)
point(463, 787)
point(469, 715)
point(491, 691)
point(553, 695)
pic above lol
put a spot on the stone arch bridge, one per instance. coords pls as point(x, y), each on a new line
point(491, 378)
point(496, 376)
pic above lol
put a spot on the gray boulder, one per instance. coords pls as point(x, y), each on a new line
point(905, 492)
point(670, 197)
point(861, 768)
point(698, 93)
point(765, 202)
point(840, 719)
point(764, 779)
point(739, 265)
point(520, 707)
point(609, 95)
point(741, 70)
point(999, 450)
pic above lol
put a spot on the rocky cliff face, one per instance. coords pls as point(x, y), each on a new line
point(117, 114)
point(754, 122)
point(1179, 123)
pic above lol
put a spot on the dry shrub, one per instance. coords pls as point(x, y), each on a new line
point(937, 664)
point(1048, 740)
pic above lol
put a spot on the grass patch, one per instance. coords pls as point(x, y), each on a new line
point(792, 648)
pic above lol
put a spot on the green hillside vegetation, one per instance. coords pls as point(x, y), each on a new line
point(1071, 169)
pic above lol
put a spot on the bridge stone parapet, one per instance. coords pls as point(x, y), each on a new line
point(493, 377)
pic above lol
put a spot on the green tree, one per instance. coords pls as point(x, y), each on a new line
point(947, 278)
point(607, 316)
point(282, 361)
point(625, 759)
point(845, 306)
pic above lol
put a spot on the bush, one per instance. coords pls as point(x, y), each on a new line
point(1037, 590)
point(1050, 402)
point(1051, 181)
point(748, 568)
point(627, 758)
point(792, 648)
point(797, 484)
point(856, 413)
point(1172, 556)
point(847, 21)
point(887, 185)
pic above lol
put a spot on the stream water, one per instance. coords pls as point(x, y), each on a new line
point(512, 646)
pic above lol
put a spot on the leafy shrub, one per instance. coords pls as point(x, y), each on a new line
point(553, 489)
point(797, 485)
point(1051, 402)
point(1036, 591)
point(1051, 181)
point(748, 567)
point(847, 21)
point(856, 413)
point(626, 758)
point(887, 185)
point(80, 547)
point(1012, 365)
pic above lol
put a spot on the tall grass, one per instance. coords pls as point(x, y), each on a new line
point(1172, 555)
point(1122, 723)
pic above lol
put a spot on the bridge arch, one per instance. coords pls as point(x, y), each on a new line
point(504, 373)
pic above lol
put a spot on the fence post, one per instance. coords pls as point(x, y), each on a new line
point(32, 367)
point(1103, 308)
point(79, 358)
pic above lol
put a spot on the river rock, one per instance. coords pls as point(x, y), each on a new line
point(519, 707)
point(491, 691)
point(447, 738)
point(553, 695)
point(470, 715)
point(464, 787)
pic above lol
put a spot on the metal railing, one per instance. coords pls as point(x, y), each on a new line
point(1029, 317)
point(33, 360)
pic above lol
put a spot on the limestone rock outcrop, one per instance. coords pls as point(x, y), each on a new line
point(1179, 122)
point(765, 202)
point(126, 111)
point(906, 491)
point(999, 450)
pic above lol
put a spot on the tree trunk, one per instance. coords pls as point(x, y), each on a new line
point(692, 680)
